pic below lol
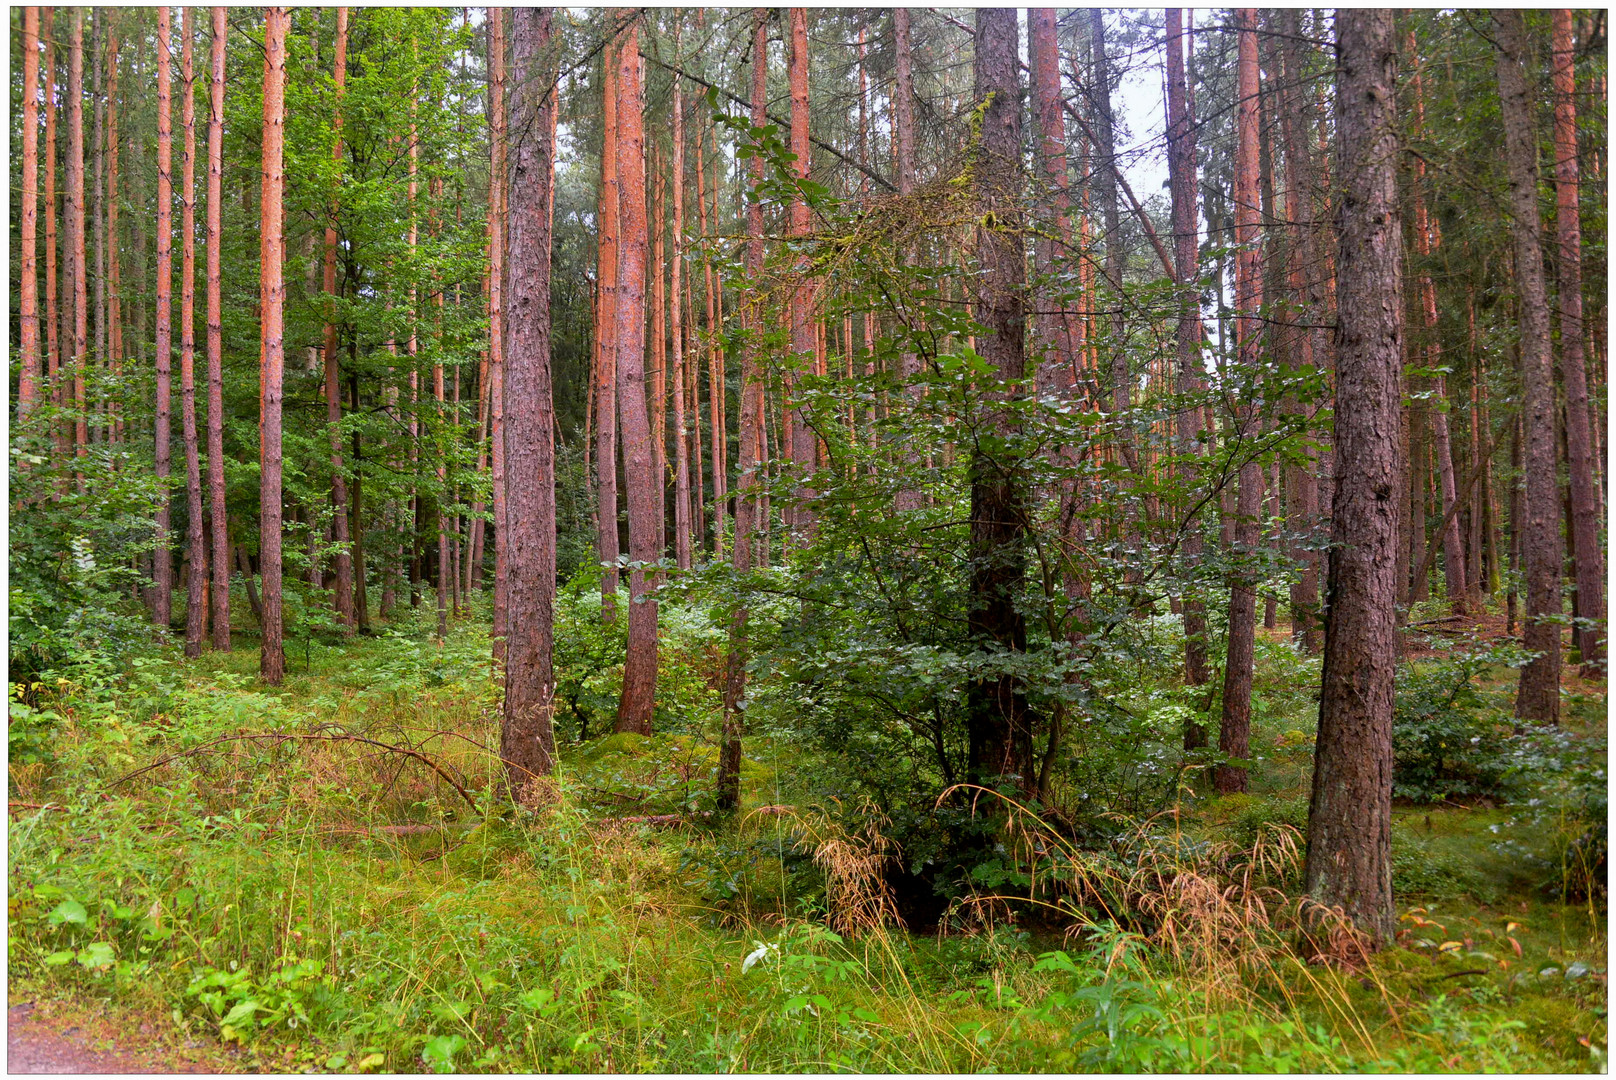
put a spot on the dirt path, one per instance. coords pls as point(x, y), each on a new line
point(44, 1040)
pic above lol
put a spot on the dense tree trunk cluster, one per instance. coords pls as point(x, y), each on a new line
point(810, 316)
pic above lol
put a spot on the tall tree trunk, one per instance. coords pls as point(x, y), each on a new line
point(1191, 377)
point(114, 300)
point(997, 724)
point(643, 485)
point(343, 560)
point(606, 330)
point(907, 499)
point(356, 514)
point(496, 319)
point(75, 238)
point(272, 349)
point(220, 599)
point(1349, 861)
point(681, 449)
point(162, 577)
point(1584, 524)
point(747, 506)
point(1234, 732)
point(53, 348)
point(28, 381)
point(1441, 443)
point(98, 207)
point(527, 743)
point(1539, 696)
point(196, 594)
point(1054, 338)
point(1303, 272)
point(804, 445)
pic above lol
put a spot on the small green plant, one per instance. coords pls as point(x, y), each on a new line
point(1447, 742)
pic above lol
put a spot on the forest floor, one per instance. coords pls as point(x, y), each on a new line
point(228, 880)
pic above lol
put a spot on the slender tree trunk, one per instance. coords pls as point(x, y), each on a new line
point(196, 596)
point(1584, 524)
point(53, 350)
point(747, 506)
point(1451, 539)
point(496, 319)
point(804, 446)
point(343, 560)
point(1349, 819)
point(643, 486)
point(75, 238)
point(98, 207)
point(1539, 696)
point(606, 330)
point(681, 449)
point(1234, 733)
point(162, 577)
point(28, 381)
point(1191, 370)
point(527, 743)
point(356, 514)
point(1301, 491)
point(220, 598)
point(114, 299)
point(272, 299)
point(997, 725)
point(907, 499)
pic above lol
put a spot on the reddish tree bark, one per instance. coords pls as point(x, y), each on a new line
point(272, 349)
point(343, 560)
point(1234, 732)
point(196, 593)
point(642, 485)
point(527, 743)
point(1539, 696)
point(1584, 525)
point(804, 443)
point(28, 381)
point(907, 499)
point(53, 349)
point(162, 576)
point(75, 236)
point(1349, 818)
point(114, 298)
point(606, 331)
point(220, 600)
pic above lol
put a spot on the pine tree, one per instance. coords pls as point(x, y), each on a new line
point(196, 604)
point(220, 599)
point(28, 380)
point(1349, 818)
point(343, 560)
point(527, 743)
point(163, 575)
point(272, 348)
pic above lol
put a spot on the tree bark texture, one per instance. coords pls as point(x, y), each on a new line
point(643, 486)
point(1585, 508)
point(272, 348)
point(606, 330)
point(220, 598)
point(28, 380)
point(342, 560)
point(1234, 732)
point(496, 334)
point(804, 442)
point(1349, 817)
point(196, 593)
point(527, 743)
point(162, 561)
point(1539, 696)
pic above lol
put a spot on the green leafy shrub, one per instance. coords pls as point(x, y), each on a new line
point(1446, 740)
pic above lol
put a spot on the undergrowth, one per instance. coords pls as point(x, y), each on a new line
point(322, 876)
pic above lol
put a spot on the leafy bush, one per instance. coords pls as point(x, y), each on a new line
point(1446, 740)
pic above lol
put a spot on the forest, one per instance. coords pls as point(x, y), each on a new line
point(807, 540)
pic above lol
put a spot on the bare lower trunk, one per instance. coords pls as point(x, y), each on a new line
point(272, 298)
point(1349, 818)
point(196, 613)
point(216, 489)
point(1539, 696)
point(162, 577)
point(343, 558)
point(643, 486)
point(527, 742)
